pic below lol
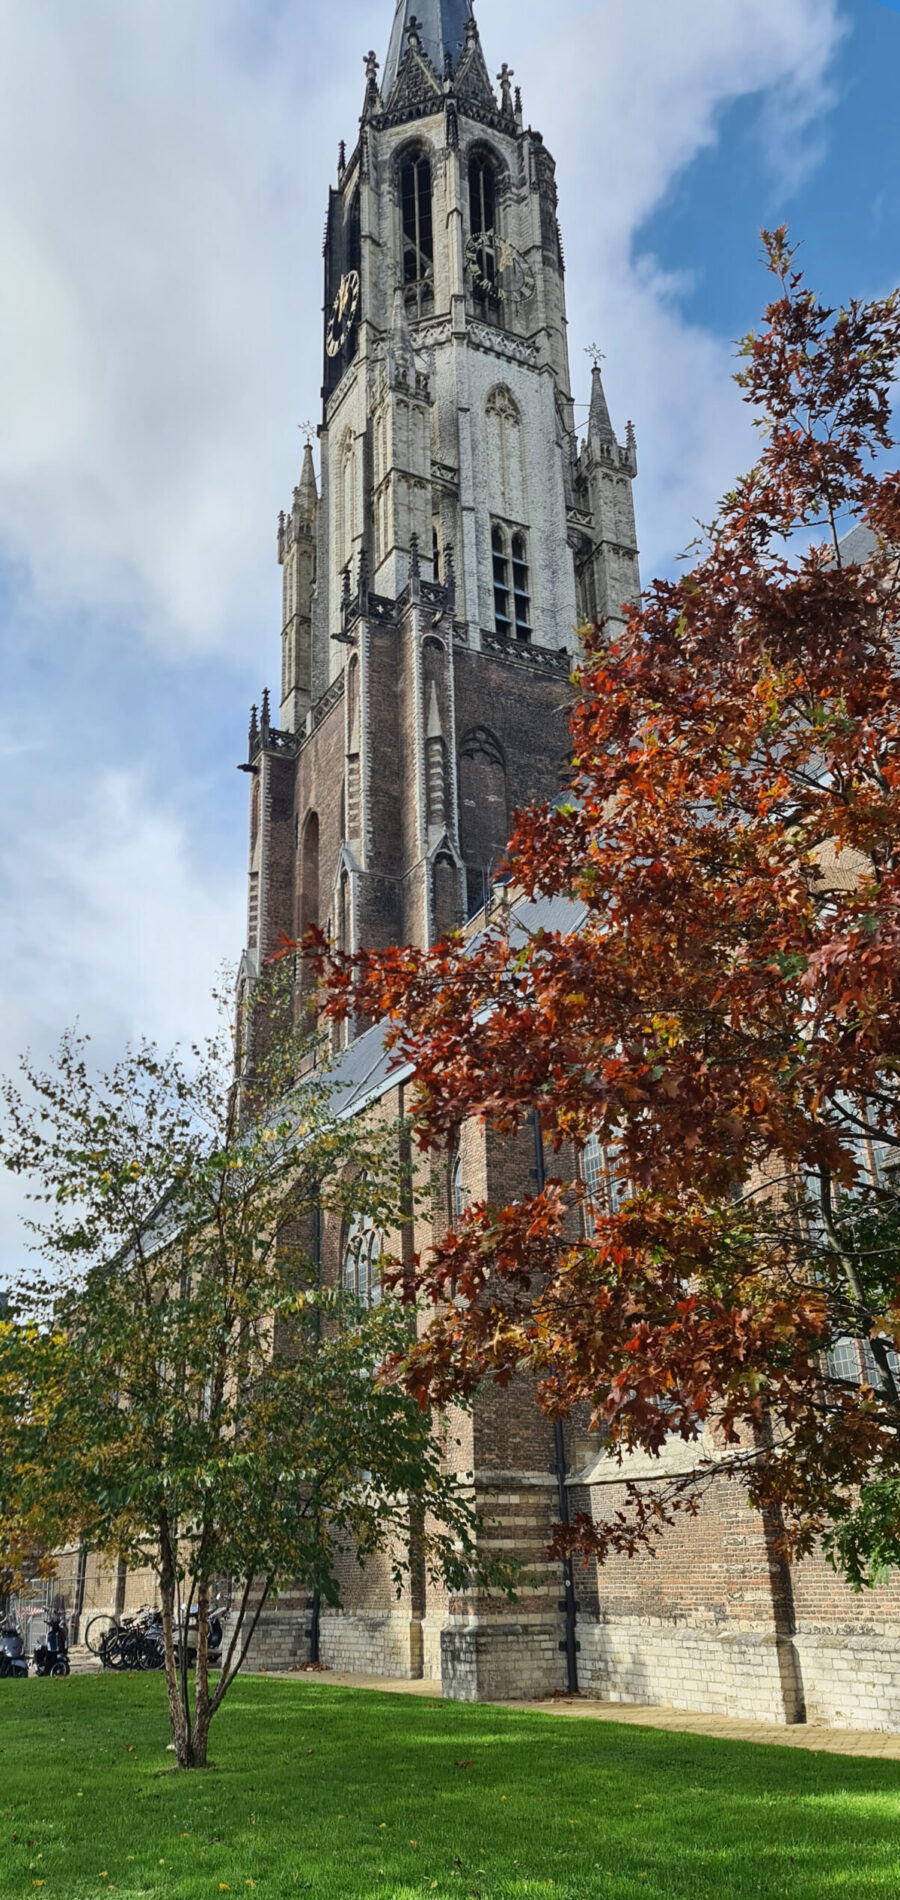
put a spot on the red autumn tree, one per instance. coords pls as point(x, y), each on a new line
point(724, 1013)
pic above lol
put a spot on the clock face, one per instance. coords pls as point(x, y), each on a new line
point(498, 270)
point(343, 313)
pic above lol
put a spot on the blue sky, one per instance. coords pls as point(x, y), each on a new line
point(166, 169)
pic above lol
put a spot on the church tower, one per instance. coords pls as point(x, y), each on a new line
point(435, 576)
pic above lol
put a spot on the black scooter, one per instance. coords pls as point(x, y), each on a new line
point(51, 1658)
point(12, 1652)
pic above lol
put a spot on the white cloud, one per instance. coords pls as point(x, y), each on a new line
point(637, 91)
point(107, 917)
point(165, 166)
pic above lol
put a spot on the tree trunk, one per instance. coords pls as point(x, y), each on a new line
point(202, 1703)
point(178, 1714)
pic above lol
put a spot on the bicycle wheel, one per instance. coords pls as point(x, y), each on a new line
point(97, 1630)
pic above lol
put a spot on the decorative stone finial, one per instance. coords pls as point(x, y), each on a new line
point(371, 65)
point(342, 158)
point(265, 723)
point(363, 579)
point(414, 33)
point(415, 566)
point(505, 78)
point(254, 730)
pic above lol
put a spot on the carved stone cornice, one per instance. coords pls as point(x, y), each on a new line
point(518, 349)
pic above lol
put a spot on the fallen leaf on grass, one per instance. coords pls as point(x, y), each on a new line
point(464, 1764)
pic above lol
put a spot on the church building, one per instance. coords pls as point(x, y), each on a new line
point(434, 577)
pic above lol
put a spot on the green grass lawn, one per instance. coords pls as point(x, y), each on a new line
point(325, 1791)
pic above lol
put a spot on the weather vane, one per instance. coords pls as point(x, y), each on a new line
point(308, 429)
point(596, 354)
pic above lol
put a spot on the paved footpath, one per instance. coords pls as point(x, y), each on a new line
point(828, 1741)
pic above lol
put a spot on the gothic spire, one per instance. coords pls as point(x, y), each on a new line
point(441, 28)
point(600, 430)
point(307, 493)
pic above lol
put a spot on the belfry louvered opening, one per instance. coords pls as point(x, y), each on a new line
point(417, 219)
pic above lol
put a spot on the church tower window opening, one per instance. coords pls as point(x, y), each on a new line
point(521, 593)
point(417, 220)
point(483, 225)
point(500, 555)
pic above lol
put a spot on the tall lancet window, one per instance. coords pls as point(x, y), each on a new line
point(483, 230)
point(418, 233)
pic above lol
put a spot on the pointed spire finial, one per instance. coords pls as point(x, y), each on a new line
point(505, 78)
point(254, 731)
point(306, 494)
point(265, 723)
point(601, 433)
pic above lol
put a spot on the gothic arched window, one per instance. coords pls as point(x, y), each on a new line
point(417, 223)
point(457, 1192)
point(309, 875)
point(483, 225)
point(483, 810)
point(362, 1254)
point(605, 1188)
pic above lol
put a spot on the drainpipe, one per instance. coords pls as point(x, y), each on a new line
point(568, 1605)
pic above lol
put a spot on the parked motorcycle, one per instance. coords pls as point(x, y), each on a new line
point(51, 1658)
point(12, 1652)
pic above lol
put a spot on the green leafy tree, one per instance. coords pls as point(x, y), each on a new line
point(177, 1385)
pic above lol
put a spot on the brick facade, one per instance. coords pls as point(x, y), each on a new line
point(433, 579)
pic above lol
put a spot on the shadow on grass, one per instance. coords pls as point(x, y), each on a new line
point(370, 1797)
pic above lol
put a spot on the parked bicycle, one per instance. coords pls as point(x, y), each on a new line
point(134, 1642)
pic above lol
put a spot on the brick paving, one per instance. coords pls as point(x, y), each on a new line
point(827, 1741)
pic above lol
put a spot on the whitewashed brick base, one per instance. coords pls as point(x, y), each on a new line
point(747, 1673)
point(851, 1681)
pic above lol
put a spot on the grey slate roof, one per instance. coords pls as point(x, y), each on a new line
point(367, 1069)
point(858, 545)
point(442, 27)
